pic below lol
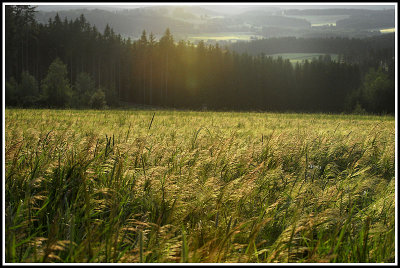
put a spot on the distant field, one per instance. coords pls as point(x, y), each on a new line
point(388, 30)
point(300, 57)
point(321, 20)
point(223, 37)
point(168, 186)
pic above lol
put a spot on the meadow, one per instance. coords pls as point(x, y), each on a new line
point(188, 186)
point(321, 20)
point(230, 36)
point(388, 30)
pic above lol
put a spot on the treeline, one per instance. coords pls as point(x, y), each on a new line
point(67, 63)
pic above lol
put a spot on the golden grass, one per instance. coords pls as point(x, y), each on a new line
point(100, 186)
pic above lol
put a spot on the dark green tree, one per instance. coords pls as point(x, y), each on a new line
point(56, 87)
point(19, 33)
point(11, 94)
point(83, 90)
point(166, 46)
point(28, 90)
point(98, 99)
point(378, 92)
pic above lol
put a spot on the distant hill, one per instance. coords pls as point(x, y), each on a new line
point(358, 18)
point(264, 18)
point(132, 21)
point(48, 8)
point(335, 11)
point(127, 22)
point(369, 20)
point(268, 21)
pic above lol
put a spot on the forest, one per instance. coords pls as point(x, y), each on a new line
point(69, 63)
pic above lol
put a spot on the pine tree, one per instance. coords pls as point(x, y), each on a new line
point(166, 45)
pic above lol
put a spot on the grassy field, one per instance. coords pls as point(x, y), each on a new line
point(321, 20)
point(245, 36)
point(176, 186)
point(388, 30)
point(300, 57)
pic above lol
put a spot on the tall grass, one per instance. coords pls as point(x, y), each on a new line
point(174, 186)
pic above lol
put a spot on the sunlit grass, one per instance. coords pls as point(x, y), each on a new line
point(187, 186)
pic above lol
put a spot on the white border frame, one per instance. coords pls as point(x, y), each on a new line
point(395, 4)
